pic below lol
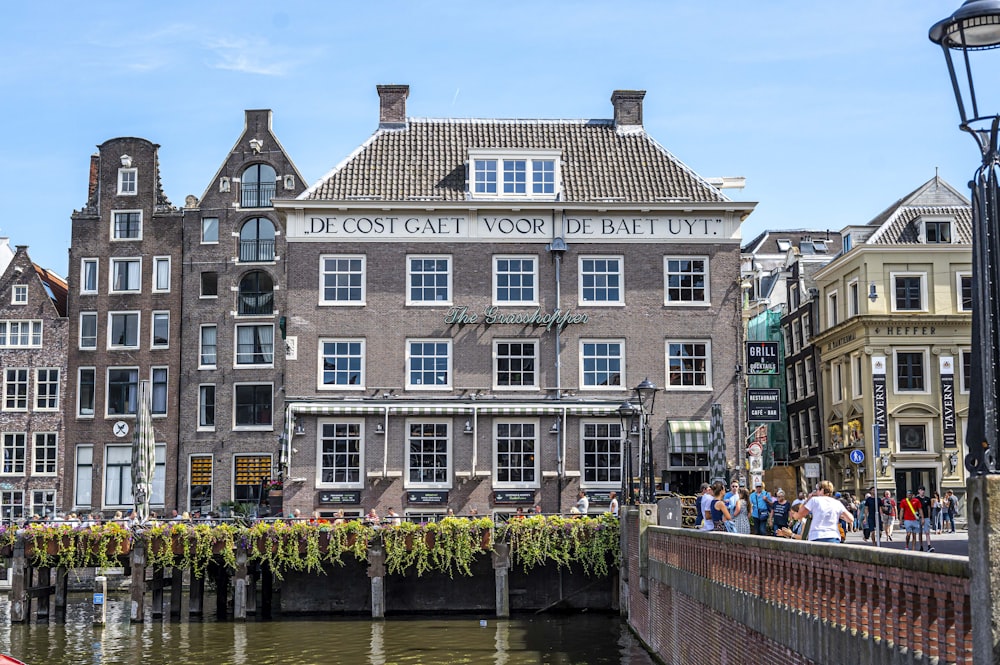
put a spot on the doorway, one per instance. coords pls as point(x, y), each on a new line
point(914, 479)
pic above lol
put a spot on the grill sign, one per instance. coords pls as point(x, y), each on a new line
point(762, 357)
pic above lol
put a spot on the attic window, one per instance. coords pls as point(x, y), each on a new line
point(937, 232)
point(20, 294)
point(505, 174)
point(819, 246)
point(784, 245)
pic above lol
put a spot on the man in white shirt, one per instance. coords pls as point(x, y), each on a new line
point(613, 505)
point(582, 503)
point(705, 507)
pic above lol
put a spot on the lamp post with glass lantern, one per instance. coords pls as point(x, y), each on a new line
point(626, 413)
point(646, 395)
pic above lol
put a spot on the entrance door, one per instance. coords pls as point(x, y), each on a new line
point(914, 479)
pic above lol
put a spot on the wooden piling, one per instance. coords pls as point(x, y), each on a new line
point(240, 585)
point(376, 572)
point(157, 586)
point(41, 591)
point(176, 591)
point(100, 601)
point(62, 593)
point(501, 572)
point(197, 591)
point(138, 590)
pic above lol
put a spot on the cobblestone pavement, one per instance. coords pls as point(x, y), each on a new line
point(946, 543)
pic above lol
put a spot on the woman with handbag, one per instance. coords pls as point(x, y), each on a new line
point(719, 510)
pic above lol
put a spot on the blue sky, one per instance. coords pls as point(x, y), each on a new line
point(831, 111)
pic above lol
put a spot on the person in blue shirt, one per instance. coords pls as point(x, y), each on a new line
point(732, 497)
point(760, 509)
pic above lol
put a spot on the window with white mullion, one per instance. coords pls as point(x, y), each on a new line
point(14, 453)
point(44, 454)
point(341, 457)
point(602, 363)
point(254, 344)
point(428, 454)
point(341, 363)
point(686, 280)
point(428, 280)
point(601, 454)
point(16, 389)
point(601, 280)
point(20, 334)
point(516, 454)
point(515, 364)
point(127, 225)
point(342, 280)
point(689, 365)
point(126, 275)
point(12, 506)
point(428, 364)
point(47, 389)
point(514, 280)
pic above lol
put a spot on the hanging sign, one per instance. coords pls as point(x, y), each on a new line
point(948, 435)
point(763, 404)
point(762, 357)
point(878, 401)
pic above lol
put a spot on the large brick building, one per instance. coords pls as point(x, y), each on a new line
point(469, 302)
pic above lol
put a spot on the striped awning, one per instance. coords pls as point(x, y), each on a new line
point(521, 409)
point(690, 436)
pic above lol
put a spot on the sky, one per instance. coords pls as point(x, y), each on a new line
point(831, 111)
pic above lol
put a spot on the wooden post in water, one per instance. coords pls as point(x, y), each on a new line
point(266, 587)
point(221, 591)
point(62, 592)
point(501, 571)
point(252, 578)
point(176, 591)
point(197, 595)
point(100, 600)
point(42, 589)
point(20, 605)
point(240, 585)
point(376, 572)
point(157, 585)
point(138, 591)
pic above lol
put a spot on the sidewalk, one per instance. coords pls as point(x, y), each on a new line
point(946, 543)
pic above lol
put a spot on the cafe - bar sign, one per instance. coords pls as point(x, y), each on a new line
point(762, 357)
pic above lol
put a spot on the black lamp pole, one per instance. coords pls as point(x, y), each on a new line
point(626, 412)
point(972, 29)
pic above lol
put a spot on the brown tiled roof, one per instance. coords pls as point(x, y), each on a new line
point(426, 160)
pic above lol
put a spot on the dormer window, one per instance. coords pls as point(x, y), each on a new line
point(20, 294)
point(127, 178)
point(784, 244)
point(514, 174)
point(937, 231)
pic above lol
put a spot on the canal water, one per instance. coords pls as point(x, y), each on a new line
point(577, 639)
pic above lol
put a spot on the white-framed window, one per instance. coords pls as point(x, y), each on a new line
point(158, 380)
point(602, 363)
point(88, 330)
point(200, 468)
point(790, 387)
point(206, 406)
point(340, 457)
point(126, 275)
point(837, 382)
point(161, 330)
point(126, 225)
point(123, 330)
point(428, 364)
point(857, 376)
point(253, 406)
point(15, 389)
point(84, 466)
point(910, 367)
point(342, 364)
point(966, 370)
point(44, 454)
point(248, 471)
point(14, 452)
point(937, 231)
point(161, 274)
point(47, 389)
point(514, 174)
point(43, 503)
point(428, 280)
point(210, 231)
point(806, 321)
point(853, 298)
point(254, 344)
point(209, 284)
point(428, 453)
point(913, 436)
point(118, 476)
point(800, 374)
point(88, 276)
point(20, 334)
point(601, 455)
point(832, 309)
point(514, 280)
point(12, 505)
point(602, 280)
point(963, 286)
point(686, 280)
point(689, 364)
point(207, 352)
point(342, 279)
point(86, 392)
point(127, 181)
point(19, 294)
point(909, 292)
point(796, 338)
point(516, 454)
point(123, 389)
point(515, 364)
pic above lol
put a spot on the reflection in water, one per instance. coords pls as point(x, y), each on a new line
point(581, 639)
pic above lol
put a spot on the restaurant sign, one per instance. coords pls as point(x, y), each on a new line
point(347, 498)
point(491, 315)
point(425, 498)
point(510, 498)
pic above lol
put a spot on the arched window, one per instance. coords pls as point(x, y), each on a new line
point(257, 186)
point(256, 296)
point(257, 240)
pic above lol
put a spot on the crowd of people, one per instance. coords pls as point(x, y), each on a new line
point(826, 515)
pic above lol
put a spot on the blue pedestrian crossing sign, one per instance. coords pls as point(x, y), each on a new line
point(858, 456)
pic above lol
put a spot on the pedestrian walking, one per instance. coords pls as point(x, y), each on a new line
point(950, 508)
point(909, 510)
point(936, 512)
point(889, 512)
point(925, 524)
point(826, 511)
point(760, 503)
point(872, 514)
point(781, 510)
point(741, 514)
point(612, 506)
point(719, 511)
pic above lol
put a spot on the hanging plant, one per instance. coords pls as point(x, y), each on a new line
point(590, 542)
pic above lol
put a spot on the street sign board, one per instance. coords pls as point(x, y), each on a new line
point(754, 449)
point(763, 404)
point(812, 469)
point(762, 357)
point(858, 456)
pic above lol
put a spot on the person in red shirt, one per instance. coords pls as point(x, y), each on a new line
point(913, 517)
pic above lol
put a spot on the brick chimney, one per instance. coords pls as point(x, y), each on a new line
point(628, 107)
point(392, 105)
point(94, 179)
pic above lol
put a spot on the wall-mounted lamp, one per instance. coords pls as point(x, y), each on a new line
point(953, 462)
point(872, 292)
point(468, 427)
point(848, 473)
point(555, 428)
point(256, 145)
point(126, 161)
point(300, 427)
point(883, 462)
point(379, 429)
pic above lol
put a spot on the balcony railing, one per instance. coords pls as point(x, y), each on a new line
point(256, 194)
point(256, 250)
point(255, 304)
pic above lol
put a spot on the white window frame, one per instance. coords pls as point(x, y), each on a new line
point(950, 221)
point(620, 301)
point(79, 392)
point(209, 242)
point(137, 261)
point(534, 277)
point(837, 382)
point(363, 271)
point(83, 474)
point(201, 285)
point(928, 426)
point(537, 449)
point(93, 266)
point(18, 397)
point(832, 309)
point(107, 391)
point(706, 301)
point(39, 383)
point(410, 258)
point(963, 385)
point(622, 380)
point(498, 157)
point(202, 406)
point(362, 477)
point(190, 465)
point(250, 428)
point(236, 345)
point(201, 346)
point(138, 329)
point(114, 223)
point(611, 424)
point(853, 298)
point(160, 313)
point(708, 365)
point(18, 467)
point(42, 502)
point(166, 395)
point(80, 338)
point(925, 352)
point(34, 335)
point(158, 286)
point(320, 355)
point(450, 437)
point(496, 363)
point(959, 276)
point(128, 186)
point(36, 458)
point(19, 294)
point(857, 376)
point(924, 304)
point(451, 363)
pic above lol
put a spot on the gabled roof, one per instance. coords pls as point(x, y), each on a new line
point(425, 159)
point(897, 224)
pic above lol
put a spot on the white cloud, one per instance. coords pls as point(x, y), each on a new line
point(247, 56)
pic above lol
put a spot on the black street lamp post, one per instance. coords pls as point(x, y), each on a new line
point(964, 36)
point(626, 412)
point(636, 416)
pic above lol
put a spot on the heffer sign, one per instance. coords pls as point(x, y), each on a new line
point(762, 357)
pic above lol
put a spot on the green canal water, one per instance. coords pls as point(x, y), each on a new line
point(578, 639)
